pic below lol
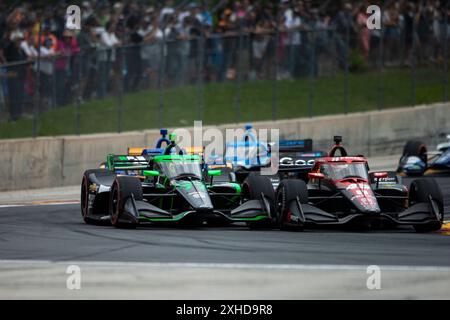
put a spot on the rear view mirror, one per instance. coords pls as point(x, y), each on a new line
point(214, 173)
point(151, 173)
point(316, 175)
point(379, 175)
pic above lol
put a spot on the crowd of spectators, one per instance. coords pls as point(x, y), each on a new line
point(133, 44)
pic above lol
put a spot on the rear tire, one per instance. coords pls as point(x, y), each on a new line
point(84, 197)
point(123, 188)
point(417, 149)
point(253, 186)
point(420, 191)
point(287, 191)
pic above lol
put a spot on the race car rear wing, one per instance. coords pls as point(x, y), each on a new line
point(297, 155)
point(158, 149)
point(304, 145)
point(126, 162)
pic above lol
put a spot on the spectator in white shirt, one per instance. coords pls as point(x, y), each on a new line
point(107, 57)
point(28, 47)
point(46, 72)
point(110, 40)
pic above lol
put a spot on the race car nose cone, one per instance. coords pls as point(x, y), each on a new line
point(373, 212)
point(204, 210)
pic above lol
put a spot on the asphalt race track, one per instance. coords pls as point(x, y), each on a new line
point(56, 233)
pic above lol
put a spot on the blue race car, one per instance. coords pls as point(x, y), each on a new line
point(416, 160)
point(296, 157)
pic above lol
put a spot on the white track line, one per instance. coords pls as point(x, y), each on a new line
point(222, 265)
point(40, 203)
point(11, 205)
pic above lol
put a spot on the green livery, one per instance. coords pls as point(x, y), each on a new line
point(172, 188)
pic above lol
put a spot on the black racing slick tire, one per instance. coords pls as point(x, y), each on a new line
point(288, 190)
point(85, 191)
point(255, 185)
point(420, 191)
point(417, 149)
point(123, 188)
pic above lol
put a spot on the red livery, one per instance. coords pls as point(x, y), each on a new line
point(341, 190)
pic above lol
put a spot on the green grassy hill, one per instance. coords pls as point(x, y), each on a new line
point(299, 98)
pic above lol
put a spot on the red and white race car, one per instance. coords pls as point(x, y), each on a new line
point(342, 191)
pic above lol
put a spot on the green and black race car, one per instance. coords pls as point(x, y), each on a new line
point(167, 188)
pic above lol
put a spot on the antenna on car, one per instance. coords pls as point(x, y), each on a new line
point(337, 146)
point(249, 134)
point(337, 139)
point(163, 138)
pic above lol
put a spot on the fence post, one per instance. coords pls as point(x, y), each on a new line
point(413, 66)
point(200, 86)
point(160, 82)
point(275, 79)
point(380, 72)
point(239, 77)
point(446, 53)
point(347, 51)
point(53, 102)
point(120, 89)
point(312, 72)
point(37, 98)
point(78, 65)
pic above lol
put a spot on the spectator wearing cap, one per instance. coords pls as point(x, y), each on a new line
point(168, 9)
point(86, 10)
point(150, 52)
point(47, 34)
point(12, 50)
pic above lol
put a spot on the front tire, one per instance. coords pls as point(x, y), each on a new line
point(420, 192)
point(122, 189)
